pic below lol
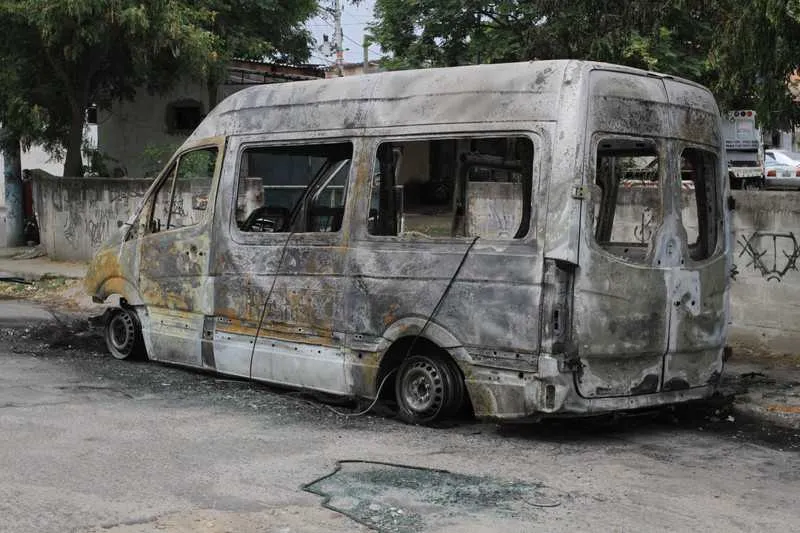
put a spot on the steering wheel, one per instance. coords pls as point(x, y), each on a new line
point(266, 219)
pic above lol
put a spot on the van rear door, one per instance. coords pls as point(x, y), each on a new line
point(621, 314)
point(650, 290)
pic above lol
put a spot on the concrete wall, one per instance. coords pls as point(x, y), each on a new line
point(76, 215)
point(765, 302)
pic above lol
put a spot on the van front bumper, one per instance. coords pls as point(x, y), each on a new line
point(508, 395)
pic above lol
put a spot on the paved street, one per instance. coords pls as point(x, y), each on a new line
point(88, 443)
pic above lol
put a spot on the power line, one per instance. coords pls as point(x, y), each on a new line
point(329, 25)
point(361, 45)
point(325, 59)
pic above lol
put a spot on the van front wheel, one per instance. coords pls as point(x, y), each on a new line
point(122, 335)
point(428, 389)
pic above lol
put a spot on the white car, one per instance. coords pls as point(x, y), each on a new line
point(781, 169)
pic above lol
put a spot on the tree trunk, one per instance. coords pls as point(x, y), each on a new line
point(73, 165)
point(12, 181)
point(212, 87)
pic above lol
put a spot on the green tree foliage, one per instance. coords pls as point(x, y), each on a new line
point(744, 50)
point(665, 35)
point(60, 56)
point(755, 52)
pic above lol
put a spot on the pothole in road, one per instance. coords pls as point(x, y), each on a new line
point(395, 498)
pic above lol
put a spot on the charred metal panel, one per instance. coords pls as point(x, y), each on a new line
point(470, 94)
point(286, 288)
point(207, 343)
point(173, 336)
point(657, 324)
point(173, 271)
point(300, 364)
point(493, 303)
point(560, 228)
point(699, 289)
point(636, 105)
point(620, 323)
point(114, 271)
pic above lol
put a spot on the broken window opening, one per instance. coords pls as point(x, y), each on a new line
point(700, 210)
point(627, 196)
point(182, 197)
point(448, 188)
point(183, 116)
point(293, 188)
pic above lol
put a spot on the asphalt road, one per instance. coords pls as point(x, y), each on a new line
point(92, 444)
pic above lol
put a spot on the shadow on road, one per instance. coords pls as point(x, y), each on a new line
point(73, 339)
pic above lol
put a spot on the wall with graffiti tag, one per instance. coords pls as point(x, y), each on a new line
point(765, 295)
point(76, 215)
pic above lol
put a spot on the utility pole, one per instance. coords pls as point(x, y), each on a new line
point(339, 38)
point(366, 53)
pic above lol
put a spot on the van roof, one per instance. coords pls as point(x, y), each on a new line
point(467, 94)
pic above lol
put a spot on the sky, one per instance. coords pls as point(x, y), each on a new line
point(354, 21)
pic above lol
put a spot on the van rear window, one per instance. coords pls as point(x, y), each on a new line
point(627, 196)
point(630, 194)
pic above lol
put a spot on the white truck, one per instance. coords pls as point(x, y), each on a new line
point(744, 150)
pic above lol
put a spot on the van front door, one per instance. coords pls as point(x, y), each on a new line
point(173, 272)
point(279, 268)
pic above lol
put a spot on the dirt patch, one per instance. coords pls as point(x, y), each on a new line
point(54, 292)
point(757, 354)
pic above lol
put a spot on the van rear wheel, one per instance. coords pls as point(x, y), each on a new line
point(122, 335)
point(428, 389)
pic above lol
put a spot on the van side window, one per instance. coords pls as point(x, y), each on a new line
point(627, 196)
point(700, 202)
point(453, 188)
point(161, 203)
point(293, 188)
point(192, 186)
point(182, 198)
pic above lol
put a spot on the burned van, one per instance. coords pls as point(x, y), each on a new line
point(524, 240)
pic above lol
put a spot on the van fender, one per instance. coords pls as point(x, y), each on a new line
point(121, 286)
point(437, 334)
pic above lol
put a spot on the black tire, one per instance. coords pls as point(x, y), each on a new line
point(428, 389)
point(123, 335)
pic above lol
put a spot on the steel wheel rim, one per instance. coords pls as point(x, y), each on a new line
point(422, 389)
point(121, 332)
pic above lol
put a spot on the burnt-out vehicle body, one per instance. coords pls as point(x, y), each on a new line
point(455, 237)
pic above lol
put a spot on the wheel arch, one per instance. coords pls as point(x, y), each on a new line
point(399, 338)
point(118, 286)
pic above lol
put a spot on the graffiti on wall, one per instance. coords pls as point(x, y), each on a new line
point(772, 254)
point(89, 220)
point(644, 231)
